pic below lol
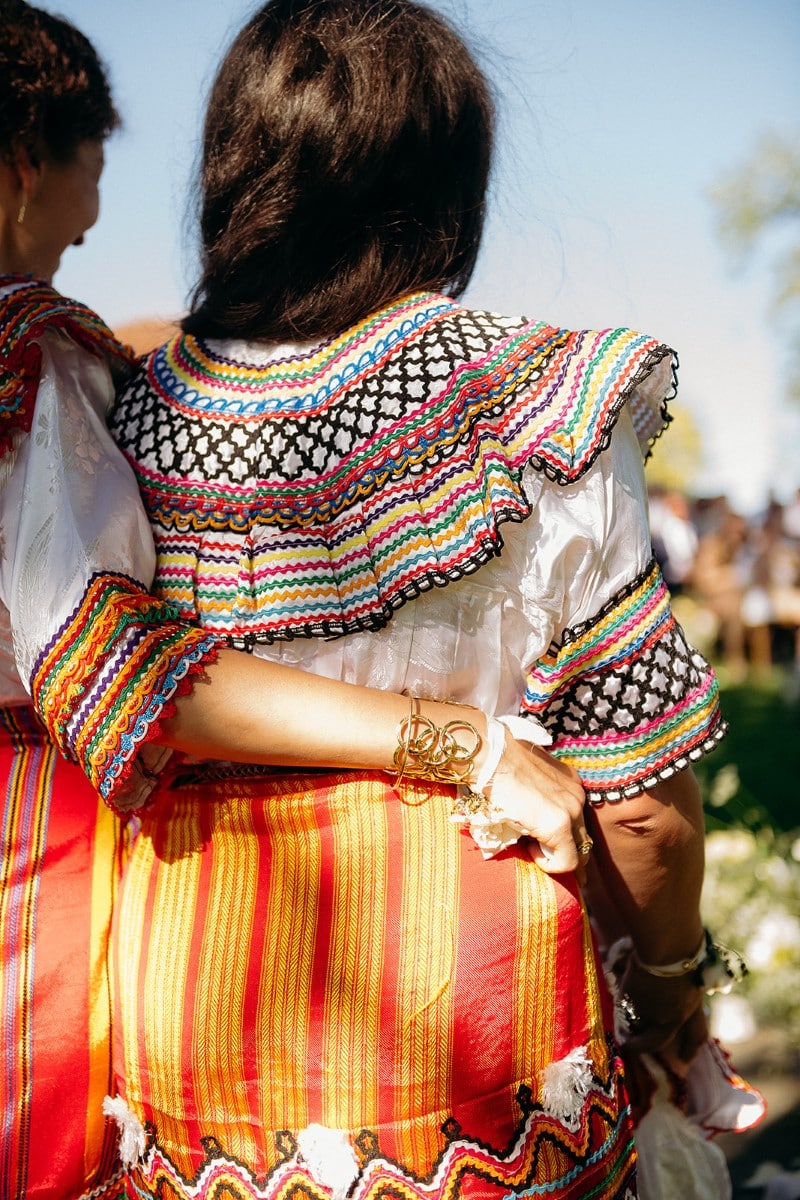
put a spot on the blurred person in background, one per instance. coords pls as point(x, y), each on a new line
point(771, 601)
point(674, 537)
point(719, 578)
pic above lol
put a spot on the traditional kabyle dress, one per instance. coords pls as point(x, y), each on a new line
point(76, 557)
point(323, 988)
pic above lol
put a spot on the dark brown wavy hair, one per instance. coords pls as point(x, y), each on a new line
point(54, 93)
point(346, 159)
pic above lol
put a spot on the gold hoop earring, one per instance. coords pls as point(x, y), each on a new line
point(23, 208)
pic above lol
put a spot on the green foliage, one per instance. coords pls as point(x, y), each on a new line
point(751, 895)
point(751, 900)
point(751, 780)
point(681, 464)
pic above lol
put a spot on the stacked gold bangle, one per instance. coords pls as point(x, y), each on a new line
point(428, 751)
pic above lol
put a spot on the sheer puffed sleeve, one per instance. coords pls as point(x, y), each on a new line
point(625, 697)
point(101, 658)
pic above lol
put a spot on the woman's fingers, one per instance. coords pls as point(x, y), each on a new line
point(555, 858)
point(545, 798)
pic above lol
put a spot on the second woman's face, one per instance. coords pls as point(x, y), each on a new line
point(64, 203)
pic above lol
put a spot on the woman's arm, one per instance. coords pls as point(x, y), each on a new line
point(250, 710)
point(629, 701)
point(646, 879)
point(119, 678)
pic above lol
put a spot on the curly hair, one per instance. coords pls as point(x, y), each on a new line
point(346, 159)
point(54, 93)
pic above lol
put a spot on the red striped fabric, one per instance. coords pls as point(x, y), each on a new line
point(62, 853)
point(320, 950)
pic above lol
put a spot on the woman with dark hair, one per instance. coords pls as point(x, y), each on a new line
point(324, 986)
point(93, 666)
point(340, 176)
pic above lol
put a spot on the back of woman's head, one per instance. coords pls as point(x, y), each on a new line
point(54, 93)
point(346, 159)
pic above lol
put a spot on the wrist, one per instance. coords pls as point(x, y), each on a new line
point(440, 742)
point(713, 967)
point(676, 968)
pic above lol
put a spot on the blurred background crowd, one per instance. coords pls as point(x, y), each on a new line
point(735, 579)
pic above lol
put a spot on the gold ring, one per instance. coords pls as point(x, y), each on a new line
point(585, 846)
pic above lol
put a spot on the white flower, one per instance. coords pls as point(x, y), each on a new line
point(774, 871)
point(730, 845)
point(732, 1019)
point(724, 786)
point(775, 940)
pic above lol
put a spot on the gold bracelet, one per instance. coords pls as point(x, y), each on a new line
point(400, 759)
point(428, 751)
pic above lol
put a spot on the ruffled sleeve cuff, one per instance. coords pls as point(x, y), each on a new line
point(29, 307)
point(110, 676)
point(626, 699)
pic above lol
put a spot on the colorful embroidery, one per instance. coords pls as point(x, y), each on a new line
point(100, 716)
point(26, 311)
point(312, 496)
point(229, 999)
point(545, 1158)
point(627, 700)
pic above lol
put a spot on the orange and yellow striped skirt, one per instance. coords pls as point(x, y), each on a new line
point(62, 857)
point(323, 990)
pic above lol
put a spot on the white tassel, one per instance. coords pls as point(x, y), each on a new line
point(330, 1158)
point(132, 1139)
point(566, 1084)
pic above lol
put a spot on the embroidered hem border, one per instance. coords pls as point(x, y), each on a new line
point(577, 1156)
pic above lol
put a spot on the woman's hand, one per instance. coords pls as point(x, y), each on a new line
point(544, 798)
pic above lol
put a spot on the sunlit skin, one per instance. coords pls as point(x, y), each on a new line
point(58, 203)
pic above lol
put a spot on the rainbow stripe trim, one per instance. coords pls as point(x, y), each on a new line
point(26, 311)
point(110, 675)
point(627, 700)
point(339, 484)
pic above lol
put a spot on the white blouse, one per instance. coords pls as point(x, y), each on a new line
point(69, 507)
point(471, 640)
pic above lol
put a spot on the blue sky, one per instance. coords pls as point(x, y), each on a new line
point(616, 120)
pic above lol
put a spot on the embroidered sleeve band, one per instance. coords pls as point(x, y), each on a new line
point(110, 676)
point(626, 699)
point(26, 311)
